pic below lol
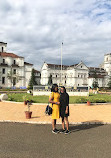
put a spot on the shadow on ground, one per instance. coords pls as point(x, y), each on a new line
point(85, 125)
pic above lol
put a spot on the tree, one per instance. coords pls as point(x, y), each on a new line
point(32, 81)
point(50, 80)
point(95, 81)
point(109, 82)
point(13, 77)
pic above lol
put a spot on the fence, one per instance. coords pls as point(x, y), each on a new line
point(46, 90)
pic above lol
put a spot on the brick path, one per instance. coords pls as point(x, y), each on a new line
point(78, 113)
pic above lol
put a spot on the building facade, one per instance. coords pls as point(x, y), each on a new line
point(73, 76)
point(13, 70)
point(77, 75)
point(37, 76)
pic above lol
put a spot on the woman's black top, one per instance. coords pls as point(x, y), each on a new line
point(64, 101)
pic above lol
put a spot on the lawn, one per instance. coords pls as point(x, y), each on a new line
point(93, 98)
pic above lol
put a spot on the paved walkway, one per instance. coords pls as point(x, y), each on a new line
point(83, 113)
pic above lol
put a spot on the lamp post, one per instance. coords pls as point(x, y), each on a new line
point(61, 62)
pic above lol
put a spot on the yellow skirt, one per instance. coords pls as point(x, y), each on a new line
point(55, 111)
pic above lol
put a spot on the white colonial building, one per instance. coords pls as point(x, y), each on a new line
point(13, 70)
point(74, 75)
point(77, 75)
point(37, 76)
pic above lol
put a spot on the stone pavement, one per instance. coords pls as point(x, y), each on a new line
point(79, 113)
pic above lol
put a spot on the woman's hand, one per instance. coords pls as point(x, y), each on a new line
point(58, 103)
point(66, 112)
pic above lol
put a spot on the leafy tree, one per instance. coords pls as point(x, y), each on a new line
point(50, 80)
point(32, 81)
point(109, 82)
point(13, 77)
point(95, 81)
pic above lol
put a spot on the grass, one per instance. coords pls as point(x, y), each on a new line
point(93, 98)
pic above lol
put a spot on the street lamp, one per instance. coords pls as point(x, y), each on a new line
point(61, 62)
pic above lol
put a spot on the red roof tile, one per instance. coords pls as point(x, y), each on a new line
point(4, 54)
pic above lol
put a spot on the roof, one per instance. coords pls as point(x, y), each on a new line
point(12, 55)
point(36, 71)
point(108, 54)
point(98, 76)
point(74, 65)
point(56, 66)
point(27, 63)
point(95, 68)
point(3, 42)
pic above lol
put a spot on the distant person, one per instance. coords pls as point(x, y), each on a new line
point(54, 99)
point(64, 110)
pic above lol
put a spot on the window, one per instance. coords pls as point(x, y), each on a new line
point(81, 66)
point(2, 49)
point(56, 76)
point(78, 75)
point(65, 82)
point(14, 61)
point(78, 84)
point(3, 80)
point(3, 71)
point(106, 59)
point(14, 81)
point(14, 71)
point(65, 76)
point(3, 61)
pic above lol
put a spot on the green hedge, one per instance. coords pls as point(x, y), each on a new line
point(93, 98)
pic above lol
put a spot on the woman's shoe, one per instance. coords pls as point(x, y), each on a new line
point(62, 131)
point(67, 132)
point(55, 131)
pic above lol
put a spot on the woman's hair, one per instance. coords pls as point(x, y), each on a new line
point(53, 87)
point(64, 89)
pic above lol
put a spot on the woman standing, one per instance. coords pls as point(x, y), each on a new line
point(64, 110)
point(54, 99)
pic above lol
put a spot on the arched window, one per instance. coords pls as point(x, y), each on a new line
point(2, 49)
point(14, 61)
point(107, 59)
point(3, 61)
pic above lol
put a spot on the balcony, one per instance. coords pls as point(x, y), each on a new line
point(15, 65)
point(3, 64)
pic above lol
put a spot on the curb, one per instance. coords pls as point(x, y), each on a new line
point(71, 123)
point(47, 103)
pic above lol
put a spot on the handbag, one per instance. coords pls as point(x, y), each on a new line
point(48, 110)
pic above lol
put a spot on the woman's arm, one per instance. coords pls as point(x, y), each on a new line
point(66, 110)
point(53, 102)
point(67, 104)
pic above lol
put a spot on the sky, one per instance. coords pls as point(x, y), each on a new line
point(35, 30)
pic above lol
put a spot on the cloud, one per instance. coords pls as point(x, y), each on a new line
point(35, 30)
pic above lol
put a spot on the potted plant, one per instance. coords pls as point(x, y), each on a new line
point(28, 113)
point(88, 103)
point(25, 100)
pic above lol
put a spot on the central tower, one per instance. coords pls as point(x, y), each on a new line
point(3, 47)
point(107, 63)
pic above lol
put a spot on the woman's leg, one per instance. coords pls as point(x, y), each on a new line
point(67, 123)
point(53, 124)
point(63, 123)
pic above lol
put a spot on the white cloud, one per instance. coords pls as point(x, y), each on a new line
point(35, 30)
